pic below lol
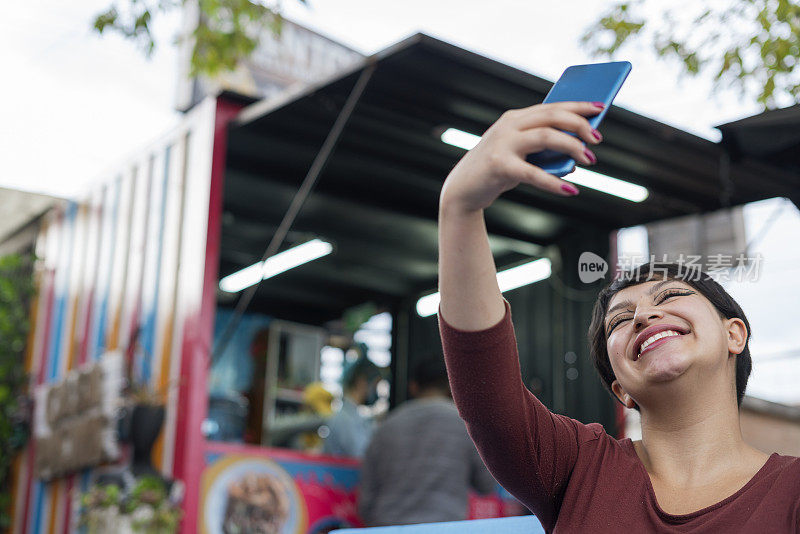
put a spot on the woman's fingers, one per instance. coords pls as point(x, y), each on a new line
point(568, 116)
point(539, 139)
point(497, 164)
point(586, 109)
point(533, 175)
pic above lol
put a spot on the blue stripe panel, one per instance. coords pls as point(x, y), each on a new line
point(62, 292)
point(102, 315)
point(59, 305)
point(38, 492)
point(149, 333)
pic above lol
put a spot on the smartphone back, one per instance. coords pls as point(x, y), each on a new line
point(597, 82)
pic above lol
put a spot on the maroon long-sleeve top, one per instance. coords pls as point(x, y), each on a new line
point(575, 477)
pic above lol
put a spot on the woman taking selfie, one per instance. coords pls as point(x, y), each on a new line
point(672, 345)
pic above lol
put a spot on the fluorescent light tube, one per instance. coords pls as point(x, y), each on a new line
point(607, 184)
point(288, 259)
point(512, 278)
point(461, 139)
point(524, 274)
point(428, 305)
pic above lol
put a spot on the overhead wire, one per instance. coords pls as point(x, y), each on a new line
point(310, 180)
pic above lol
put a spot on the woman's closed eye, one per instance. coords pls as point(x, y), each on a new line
point(663, 296)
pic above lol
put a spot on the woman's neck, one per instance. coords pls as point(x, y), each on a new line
point(691, 442)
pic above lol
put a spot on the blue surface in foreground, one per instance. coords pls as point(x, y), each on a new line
point(527, 524)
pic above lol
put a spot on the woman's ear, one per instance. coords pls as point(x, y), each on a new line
point(737, 335)
point(620, 393)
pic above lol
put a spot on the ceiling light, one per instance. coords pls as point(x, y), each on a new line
point(527, 273)
point(283, 261)
point(459, 138)
point(607, 184)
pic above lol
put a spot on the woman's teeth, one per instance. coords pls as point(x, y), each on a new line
point(655, 337)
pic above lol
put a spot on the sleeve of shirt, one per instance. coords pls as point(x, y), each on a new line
point(368, 485)
point(361, 437)
point(331, 444)
point(349, 435)
point(529, 450)
point(482, 480)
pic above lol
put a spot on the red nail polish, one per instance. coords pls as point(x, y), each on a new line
point(571, 189)
point(597, 135)
point(591, 156)
point(599, 105)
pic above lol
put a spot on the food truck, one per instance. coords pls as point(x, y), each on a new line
point(129, 302)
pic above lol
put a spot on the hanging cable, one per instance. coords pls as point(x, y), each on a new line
point(320, 161)
point(776, 213)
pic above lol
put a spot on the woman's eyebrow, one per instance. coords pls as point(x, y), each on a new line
point(627, 303)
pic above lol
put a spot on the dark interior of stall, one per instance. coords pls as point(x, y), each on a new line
point(376, 202)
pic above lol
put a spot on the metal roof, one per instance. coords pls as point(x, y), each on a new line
point(772, 137)
point(17, 210)
point(377, 198)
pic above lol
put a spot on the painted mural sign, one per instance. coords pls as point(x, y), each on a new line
point(273, 491)
point(74, 418)
point(276, 491)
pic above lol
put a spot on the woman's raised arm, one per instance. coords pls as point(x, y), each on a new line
point(470, 297)
point(528, 449)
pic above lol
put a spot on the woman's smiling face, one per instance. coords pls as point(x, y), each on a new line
point(689, 333)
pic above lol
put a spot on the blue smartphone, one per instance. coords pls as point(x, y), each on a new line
point(597, 82)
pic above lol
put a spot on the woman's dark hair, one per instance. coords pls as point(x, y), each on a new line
point(361, 368)
point(691, 275)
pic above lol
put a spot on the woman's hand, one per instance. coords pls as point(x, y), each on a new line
point(497, 164)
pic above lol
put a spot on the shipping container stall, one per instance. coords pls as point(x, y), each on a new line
point(121, 274)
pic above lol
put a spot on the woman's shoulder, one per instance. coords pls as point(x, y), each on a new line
point(780, 477)
point(782, 462)
point(594, 436)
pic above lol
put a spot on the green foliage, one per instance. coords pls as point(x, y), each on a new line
point(750, 45)
point(148, 495)
point(16, 288)
point(358, 315)
point(101, 496)
point(227, 31)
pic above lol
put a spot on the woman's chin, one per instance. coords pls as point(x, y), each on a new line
point(663, 366)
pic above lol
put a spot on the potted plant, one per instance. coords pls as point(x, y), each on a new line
point(146, 419)
point(143, 413)
point(146, 508)
point(100, 509)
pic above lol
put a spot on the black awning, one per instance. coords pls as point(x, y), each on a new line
point(772, 137)
point(377, 198)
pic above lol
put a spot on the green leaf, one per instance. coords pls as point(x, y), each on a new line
point(108, 18)
point(749, 45)
point(227, 33)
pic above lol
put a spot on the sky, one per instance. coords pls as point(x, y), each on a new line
point(75, 105)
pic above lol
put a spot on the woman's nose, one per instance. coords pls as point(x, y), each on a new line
point(645, 318)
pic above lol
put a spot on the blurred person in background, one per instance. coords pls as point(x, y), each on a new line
point(349, 430)
point(421, 463)
point(301, 431)
point(317, 401)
